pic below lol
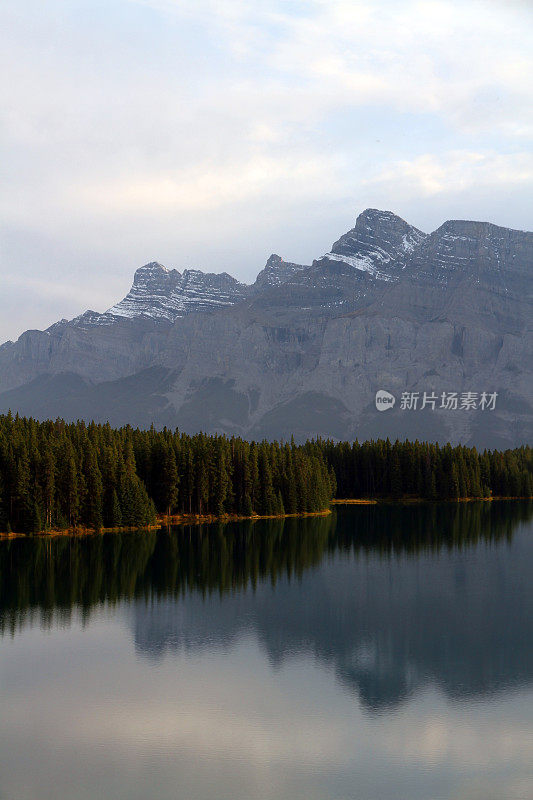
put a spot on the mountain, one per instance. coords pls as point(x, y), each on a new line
point(277, 271)
point(380, 244)
point(305, 348)
point(163, 294)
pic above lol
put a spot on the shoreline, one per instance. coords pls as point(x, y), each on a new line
point(414, 500)
point(163, 520)
point(208, 519)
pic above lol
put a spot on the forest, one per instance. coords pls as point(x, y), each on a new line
point(66, 475)
point(414, 469)
point(59, 475)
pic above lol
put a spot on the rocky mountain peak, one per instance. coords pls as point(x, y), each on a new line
point(388, 307)
point(211, 288)
point(164, 294)
point(376, 216)
point(154, 266)
point(277, 271)
point(151, 271)
point(381, 223)
point(379, 244)
point(462, 249)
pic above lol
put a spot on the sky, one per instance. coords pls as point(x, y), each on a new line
point(210, 133)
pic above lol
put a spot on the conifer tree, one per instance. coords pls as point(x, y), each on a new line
point(169, 480)
point(93, 488)
point(395, 476)
point(57, 474)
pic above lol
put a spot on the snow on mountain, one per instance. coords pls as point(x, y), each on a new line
point(373, 252)
point(379, 244)
point(162, 294)
point(304, 349)
point(483, 252)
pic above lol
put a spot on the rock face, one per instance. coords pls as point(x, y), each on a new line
point(162, 294)
point(277, 271)
point(305, 348)
point(379, 244)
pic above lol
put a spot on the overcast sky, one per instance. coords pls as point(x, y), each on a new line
point(210, 133)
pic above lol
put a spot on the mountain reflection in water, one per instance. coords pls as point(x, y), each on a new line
point(391, 597)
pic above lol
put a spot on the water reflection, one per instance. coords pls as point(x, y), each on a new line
point(392, 598)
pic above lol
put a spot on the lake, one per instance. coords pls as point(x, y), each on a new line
point(379, 653)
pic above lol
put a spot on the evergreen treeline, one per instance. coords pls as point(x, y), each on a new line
point(59, 475)
point(381, 469)
point(63, 475)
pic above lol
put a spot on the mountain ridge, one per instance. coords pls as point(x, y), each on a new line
point(194, 290)
point(304, 348)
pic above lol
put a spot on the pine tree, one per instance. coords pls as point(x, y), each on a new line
point(266, 491)
point(222, 479)
point(395, 476)
point(112, 511)
point(67, 483)
point(48, 482)
point(169, 480)
point(4, 517)
point(280, 509)
point(247, 509)
point(93, 489)
point(23, 501)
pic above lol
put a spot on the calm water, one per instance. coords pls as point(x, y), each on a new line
point(381, 653)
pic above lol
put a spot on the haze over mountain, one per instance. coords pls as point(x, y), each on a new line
point(304, 349)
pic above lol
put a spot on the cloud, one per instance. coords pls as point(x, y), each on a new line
point(455, 172)
point(210, 186)
point(463, 60)
point(177, 130)
point(43, 289)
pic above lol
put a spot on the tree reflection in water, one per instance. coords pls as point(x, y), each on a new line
point(391, 597)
